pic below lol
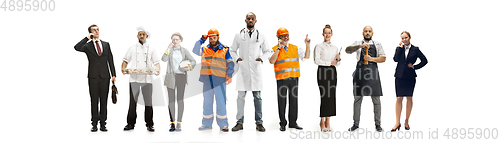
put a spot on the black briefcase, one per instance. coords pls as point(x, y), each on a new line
point(114, 92)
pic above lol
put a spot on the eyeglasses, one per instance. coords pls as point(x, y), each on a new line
point(176, 39)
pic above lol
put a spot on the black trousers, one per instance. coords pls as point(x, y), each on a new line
point(147, 90)
point(99, 89)
point(290, 86)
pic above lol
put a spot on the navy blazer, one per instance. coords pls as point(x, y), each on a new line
point(99, 66)
point(402, 69)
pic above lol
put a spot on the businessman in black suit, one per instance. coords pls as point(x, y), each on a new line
point(406, 55)
point(100, 64)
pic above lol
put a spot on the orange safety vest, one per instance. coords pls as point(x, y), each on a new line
point(214, 63)
point(287, 64)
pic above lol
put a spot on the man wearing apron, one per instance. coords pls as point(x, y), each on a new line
point(366, 80)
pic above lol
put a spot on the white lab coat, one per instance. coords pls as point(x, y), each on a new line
point(249, 73)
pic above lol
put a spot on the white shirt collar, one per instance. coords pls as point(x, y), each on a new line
point(327, 43)
point(177, 48)
point(142, 45)
point(408, 46)
point(287, 45)
point(248, 31)
point(363, 41)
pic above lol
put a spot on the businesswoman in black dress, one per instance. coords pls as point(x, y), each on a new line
point(406, 55)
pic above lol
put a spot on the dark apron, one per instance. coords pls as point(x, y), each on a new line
point(366, 80)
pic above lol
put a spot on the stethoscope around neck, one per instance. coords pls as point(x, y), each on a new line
point(243, 30)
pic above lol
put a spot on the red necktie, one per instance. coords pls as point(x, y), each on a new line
point(98, 48)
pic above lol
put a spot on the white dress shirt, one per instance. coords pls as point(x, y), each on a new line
point(325, 53)
point(100, 45)
point(177, 59)
point(141, 56)
point(407, 49)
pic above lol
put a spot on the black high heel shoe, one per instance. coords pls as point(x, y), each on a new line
point(407, 128)
point(399, 126)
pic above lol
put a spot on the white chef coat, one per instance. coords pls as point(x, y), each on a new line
point(141, 56)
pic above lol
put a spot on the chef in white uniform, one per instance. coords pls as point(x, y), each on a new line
point(249, 48)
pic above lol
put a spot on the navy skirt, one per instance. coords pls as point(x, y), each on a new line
point(404, 87)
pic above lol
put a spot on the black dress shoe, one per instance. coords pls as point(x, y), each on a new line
point(128, 127)
point(296, 127)
point(282, 128)
point(151, 128)
point(353, 128)
point(379, 129)
point(94, 129)
point(103, 128)
point(237, 127)
point(260, 128)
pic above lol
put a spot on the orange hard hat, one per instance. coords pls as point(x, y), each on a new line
point(213, 32)
point(282, 31)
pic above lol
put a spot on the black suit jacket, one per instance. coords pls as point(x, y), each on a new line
point(99, 66)
point(402, 69)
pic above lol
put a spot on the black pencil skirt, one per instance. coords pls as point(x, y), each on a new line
point(404, 87)
point(327, 83)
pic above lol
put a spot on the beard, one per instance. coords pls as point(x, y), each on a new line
point(142, 41)
point(250, 26)
point(214, 44)
point(367, 39)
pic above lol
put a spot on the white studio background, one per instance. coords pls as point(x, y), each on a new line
point(46, 94)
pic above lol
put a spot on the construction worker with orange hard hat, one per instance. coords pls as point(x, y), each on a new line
point(287, 72)
point(216, 72)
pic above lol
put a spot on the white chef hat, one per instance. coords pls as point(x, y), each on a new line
point(140, 28)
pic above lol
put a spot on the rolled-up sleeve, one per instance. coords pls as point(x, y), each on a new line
point(380, 50)
point(302, 53)
point(128, 55)
point(155, 57)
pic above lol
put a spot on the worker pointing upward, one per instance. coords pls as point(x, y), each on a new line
point(287, 71)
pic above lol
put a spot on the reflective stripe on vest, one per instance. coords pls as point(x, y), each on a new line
point(286, 60)
point(214, 63)
point(287, 64)
point(286, 70)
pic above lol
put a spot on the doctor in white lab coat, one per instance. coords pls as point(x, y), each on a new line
point(249, 48)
